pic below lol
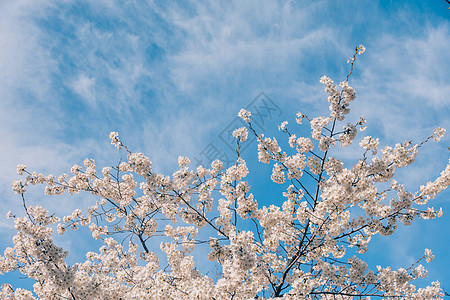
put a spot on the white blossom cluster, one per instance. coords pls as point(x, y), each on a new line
point(241, 134)
point(308, 244)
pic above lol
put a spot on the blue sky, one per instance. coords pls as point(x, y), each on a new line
point(171, 76)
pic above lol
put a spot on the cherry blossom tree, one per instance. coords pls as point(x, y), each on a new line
point(309, 247)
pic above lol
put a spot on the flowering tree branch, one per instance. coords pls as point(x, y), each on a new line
point(309, 247)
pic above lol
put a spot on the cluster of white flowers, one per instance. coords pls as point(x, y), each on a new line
point(278, 175)
point(245, 115)
point(20, 169)
point(299, 118)
point(314, 164)
point(114, 137)
point(296, 248)
point(282, 126)
point(361, 49)
point(431, 189)
point(268, 149)
point(339, 100)
point(139, 163)
point(370, 143)
point(349, 134)
point(302, 144)
point(429, 255)
point(438, 134)
point(317, 125)
point(325, 142)
point(241, 134)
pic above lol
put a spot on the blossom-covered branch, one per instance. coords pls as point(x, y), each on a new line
point(309, 245)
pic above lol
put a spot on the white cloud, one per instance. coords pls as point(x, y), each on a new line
point(404, 84)
point(227, 43)
point(83, 86)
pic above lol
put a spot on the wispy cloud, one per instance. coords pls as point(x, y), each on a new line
point(83, 86)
